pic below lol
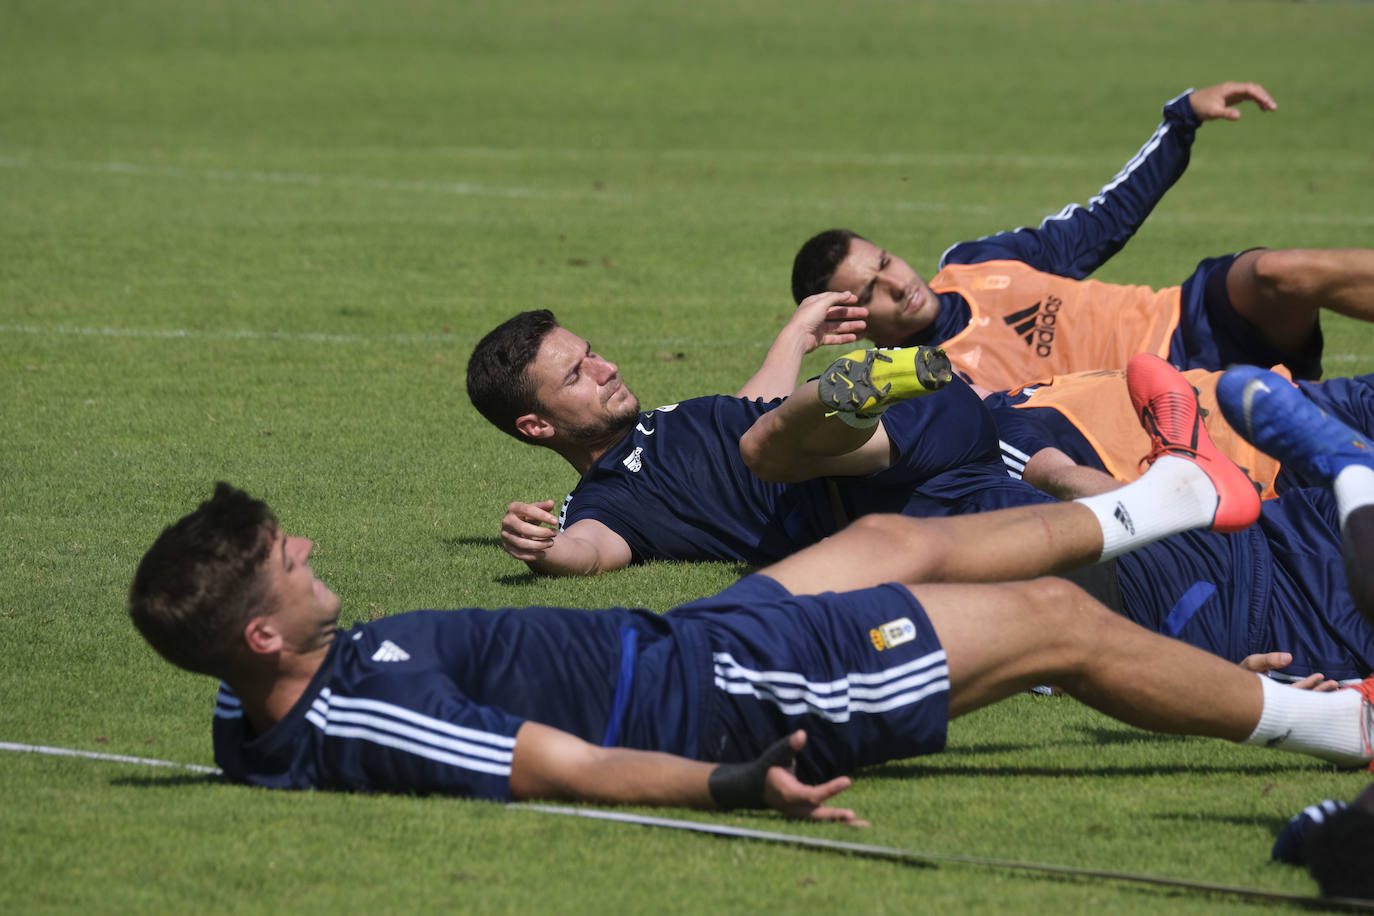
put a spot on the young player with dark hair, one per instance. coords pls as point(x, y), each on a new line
point(710, 705)
point(1017, 306)
point(687, 482)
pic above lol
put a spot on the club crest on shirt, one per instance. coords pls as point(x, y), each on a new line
point(893, 633)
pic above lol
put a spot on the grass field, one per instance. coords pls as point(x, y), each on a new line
point(257, 241)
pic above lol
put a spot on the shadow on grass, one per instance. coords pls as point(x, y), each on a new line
point(173, 781)
point(1267, 821)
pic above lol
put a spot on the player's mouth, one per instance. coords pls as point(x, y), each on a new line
point(914, 300)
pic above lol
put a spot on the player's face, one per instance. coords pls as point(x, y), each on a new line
point(302, 605)
point(579, 393)
point(899, 302)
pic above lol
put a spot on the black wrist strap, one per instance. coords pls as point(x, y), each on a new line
point(740, 785)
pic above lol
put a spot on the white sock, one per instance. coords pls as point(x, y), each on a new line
point(1174, 495)
point(1353, 487)
point(1326, 725)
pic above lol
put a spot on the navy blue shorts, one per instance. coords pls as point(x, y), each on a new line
point(1277, 586)
point(1211, 334)
point(862, 672)
point(1350, 400)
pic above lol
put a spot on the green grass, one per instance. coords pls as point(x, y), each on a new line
point(256, 242)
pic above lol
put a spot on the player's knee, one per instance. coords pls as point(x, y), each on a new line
point(1288, 274)
point(1064, 612)
point(1053, 599)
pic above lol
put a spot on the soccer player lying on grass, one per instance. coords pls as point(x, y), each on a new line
point(1322, 449)
point(670, 483)
point(1055, 434)
point(1336, 843)
point(676, 483)
point(1334, 840)
point(706, 706)
point(1016, 306)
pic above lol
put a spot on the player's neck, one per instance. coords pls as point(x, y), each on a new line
point(269, 695)
point(582, 455)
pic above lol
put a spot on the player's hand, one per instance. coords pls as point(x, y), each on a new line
point(1273, 661)
point(827, 319)
point(526, 531)
point(784, 792)
point(1219, 101)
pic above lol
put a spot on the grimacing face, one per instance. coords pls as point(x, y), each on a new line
point(899, 302)
point(580, 393)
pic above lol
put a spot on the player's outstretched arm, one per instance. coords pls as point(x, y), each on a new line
point(1219, 102)
point(1052, 471)
point(529, 532)
point(553, 764)
point(822, 320)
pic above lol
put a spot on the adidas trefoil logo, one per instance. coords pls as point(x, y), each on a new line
point(388, 651)
point(1036, 324)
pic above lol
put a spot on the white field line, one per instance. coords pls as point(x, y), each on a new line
point(233, 176)
point(186, 334)
point(459, 188)
point(319, 337)
point(111, 758)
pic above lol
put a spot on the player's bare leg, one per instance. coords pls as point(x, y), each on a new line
point(1004, 639)
point(1280, 290)
point(1273, 415)
point(997, 546)
point(837, 416)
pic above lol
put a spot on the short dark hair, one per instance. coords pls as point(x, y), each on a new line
point(1339, 854)
point(199, 584)
point(499, 385)
point(816, 262)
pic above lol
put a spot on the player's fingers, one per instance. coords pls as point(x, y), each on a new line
point(828, 299)
point(527, 535)
point(840, 815)
point(1266, 661)
point(1253, 92)
point(845, 327)
point(844, 312)
point(526, 551)
point(532, 514)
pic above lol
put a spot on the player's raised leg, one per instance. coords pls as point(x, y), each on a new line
point(1280, 291)
point(860, 385)
point(1189, 477)
point(1270, 412)
point(805, 438)
point(1004, 639)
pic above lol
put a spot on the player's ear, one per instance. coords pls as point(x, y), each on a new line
point(261, 636)
point(533, 426)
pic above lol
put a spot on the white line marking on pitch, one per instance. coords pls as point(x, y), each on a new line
point(185, 334)
point(462, 188)
point(114, 758)
point(848, 204)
